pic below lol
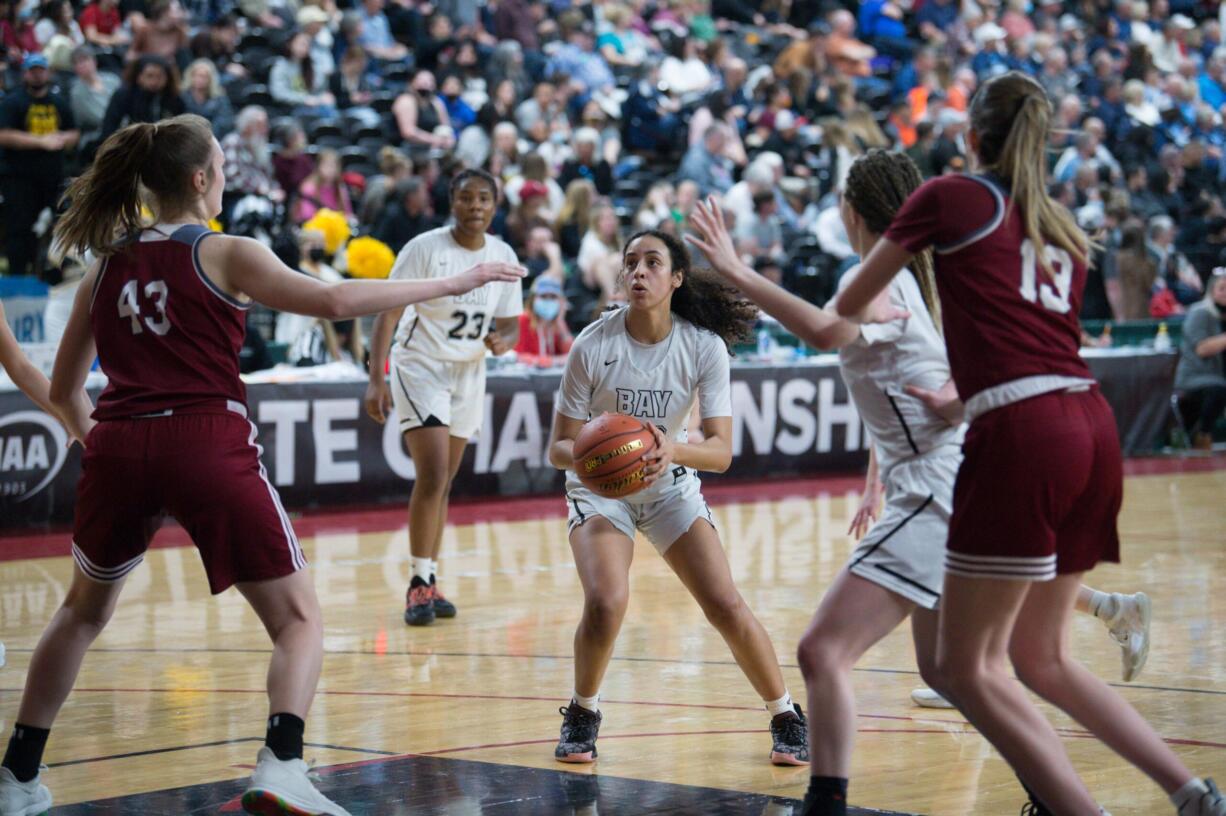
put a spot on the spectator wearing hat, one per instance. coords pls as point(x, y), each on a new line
point(527, 214)
point(543, 331)
point(1168, 48)
point(36, 132)
point(313, 21)
point(587, 163)
point(785, 140)
point(992, 56)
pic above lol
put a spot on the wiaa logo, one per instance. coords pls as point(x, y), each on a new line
point(33, 447)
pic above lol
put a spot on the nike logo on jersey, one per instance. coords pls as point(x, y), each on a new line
point(611, 362)
point(643, 403)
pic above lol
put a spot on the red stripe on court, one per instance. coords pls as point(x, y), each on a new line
point(384, 518)
point(965, 726)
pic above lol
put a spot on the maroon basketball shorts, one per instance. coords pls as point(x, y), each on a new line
point(204, 470)
point(1039, 490)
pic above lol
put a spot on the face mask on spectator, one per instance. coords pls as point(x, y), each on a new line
point(546, 308)
point(316, 254)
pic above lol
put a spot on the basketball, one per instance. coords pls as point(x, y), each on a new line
point(609, 454)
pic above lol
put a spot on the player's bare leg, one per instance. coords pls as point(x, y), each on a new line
point(430, 449)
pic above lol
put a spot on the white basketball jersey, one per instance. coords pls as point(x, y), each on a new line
point(886, 357)
point(453, 328)
point(610, 372)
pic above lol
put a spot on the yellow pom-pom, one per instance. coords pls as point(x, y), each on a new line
point(215, 225)
point(369, 258)
point(333, 225)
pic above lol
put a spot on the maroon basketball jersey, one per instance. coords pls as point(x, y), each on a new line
point(1005, 317)
point(168, 338)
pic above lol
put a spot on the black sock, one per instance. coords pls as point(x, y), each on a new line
point(827, 796)
point(284, 736)
point(25, 751)
point(1041, 809)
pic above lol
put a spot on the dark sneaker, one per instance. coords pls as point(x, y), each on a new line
point(419, 605)
point(443, 608)
point(790, 732)
point(579, 729)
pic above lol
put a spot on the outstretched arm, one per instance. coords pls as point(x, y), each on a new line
point(248, 267)
point(819, 328)
point(861, 301)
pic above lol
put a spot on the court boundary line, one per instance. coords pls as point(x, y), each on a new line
point(624, 658)
point(216, 743)
point(965, 727)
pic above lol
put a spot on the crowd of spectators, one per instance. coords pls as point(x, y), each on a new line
point(602, 117)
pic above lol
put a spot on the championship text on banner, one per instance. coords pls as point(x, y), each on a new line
point(320, 448)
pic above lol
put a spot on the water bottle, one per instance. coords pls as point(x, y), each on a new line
point(765, 344)
point(1162, 340)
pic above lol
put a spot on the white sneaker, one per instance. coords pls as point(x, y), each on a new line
point(283, 788)
point(927, 698)
point(23, 798)
point(1209, 803)
point(1129, 627)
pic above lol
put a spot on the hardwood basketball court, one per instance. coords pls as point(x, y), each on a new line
point(461, 717)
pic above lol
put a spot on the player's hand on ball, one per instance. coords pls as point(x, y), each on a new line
point(660, 460)
point(378, 401)
point(489, 272)
point(496, 343)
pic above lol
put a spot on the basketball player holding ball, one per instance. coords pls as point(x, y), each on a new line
point(651, 360)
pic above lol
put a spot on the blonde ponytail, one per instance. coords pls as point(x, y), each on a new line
point(104, 202)
point(1012, 115)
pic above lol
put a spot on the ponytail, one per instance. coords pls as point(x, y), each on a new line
point(104, 202)
point(1012, 115)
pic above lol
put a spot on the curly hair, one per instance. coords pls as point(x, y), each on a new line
point(703, 298)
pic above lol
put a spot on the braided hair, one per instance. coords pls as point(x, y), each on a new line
point(703, 298)
point(877, 185)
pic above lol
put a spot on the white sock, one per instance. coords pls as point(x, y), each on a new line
point(421, 568)
point(433, 569)
point(780, 706)
point(1103, 605)
point(1192, 789)
point(590, 703)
